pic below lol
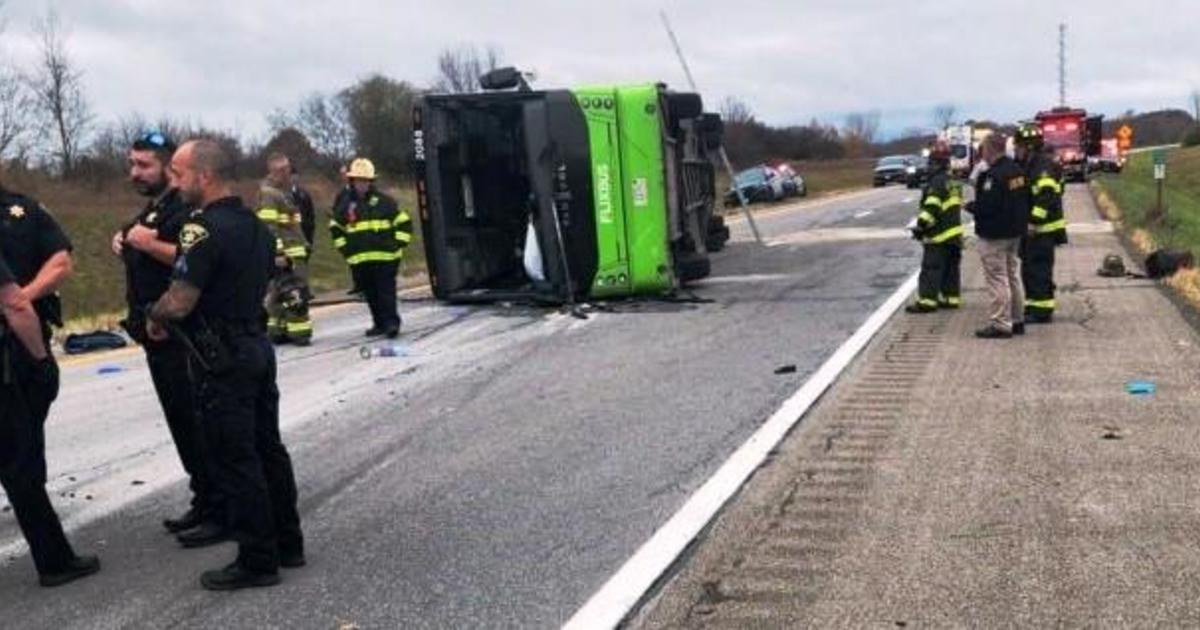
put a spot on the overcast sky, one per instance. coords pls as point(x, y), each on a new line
point(228, 63)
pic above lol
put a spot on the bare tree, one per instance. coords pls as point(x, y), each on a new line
point(862, 127)
point(325, 121)
point(57, 86)
point(14, 105)
point(944, 115)
point(459, 68)
point(735, 111)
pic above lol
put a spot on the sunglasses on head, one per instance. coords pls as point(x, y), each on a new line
point(154, 140)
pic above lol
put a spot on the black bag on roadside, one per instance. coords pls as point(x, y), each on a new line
point(1163, 263)
point(93, 341)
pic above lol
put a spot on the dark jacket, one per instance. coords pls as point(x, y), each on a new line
point(1002, 201)
point(940, 219)
point(1046, 188)
point(370, 230)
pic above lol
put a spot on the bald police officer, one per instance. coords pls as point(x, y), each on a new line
point(226, 257)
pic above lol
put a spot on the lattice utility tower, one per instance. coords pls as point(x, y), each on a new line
point(1062, 65)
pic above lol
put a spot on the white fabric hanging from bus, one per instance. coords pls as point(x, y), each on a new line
point(534, 267)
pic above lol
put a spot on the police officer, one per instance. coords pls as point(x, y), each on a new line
point(34, 260)
point(939, 227)
point(226, 256)
point(147, 246)
point(287, 296)
point(304, 203)
point(1001, 210)
point(371, 232)
point(1047, 225)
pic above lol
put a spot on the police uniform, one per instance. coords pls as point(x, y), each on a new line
point(146, 279)
point(287, 294)
point(1048, 229)
point(29, 236)
point(939, 227)
point(371, 233)
point(228, 254)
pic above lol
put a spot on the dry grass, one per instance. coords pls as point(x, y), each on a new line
point(1186, 282)
point(1128, 198)
point(94, 297)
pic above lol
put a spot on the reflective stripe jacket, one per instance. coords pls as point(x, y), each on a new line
point(282, 217)
point(1046, 189)
point(369, 229)
point(940, 218)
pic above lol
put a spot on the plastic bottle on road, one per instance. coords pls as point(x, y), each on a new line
point(393, 350)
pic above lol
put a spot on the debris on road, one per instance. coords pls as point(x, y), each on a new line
point(1140, 388)
point(786, 369)
point(391, 350)
point(110, 369)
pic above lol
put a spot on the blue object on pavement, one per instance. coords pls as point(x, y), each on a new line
point(110, 369)
point(1140, 388)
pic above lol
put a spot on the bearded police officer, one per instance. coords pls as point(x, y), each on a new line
point(34, 260)
point(147, 246)
point(226, 257)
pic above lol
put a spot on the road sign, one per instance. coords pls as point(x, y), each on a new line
point(1160, 157)
point(1124, 138)
point(1160, 171)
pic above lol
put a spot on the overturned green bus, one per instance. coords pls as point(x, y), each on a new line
point(565, 195)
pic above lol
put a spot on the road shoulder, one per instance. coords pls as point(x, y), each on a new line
point(950, 481)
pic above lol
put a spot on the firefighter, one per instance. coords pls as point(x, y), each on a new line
point(939, 228)
point(1047, 225)
point(371, 232)
point(288, 296)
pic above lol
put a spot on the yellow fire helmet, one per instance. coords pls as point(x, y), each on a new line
point(361, 168)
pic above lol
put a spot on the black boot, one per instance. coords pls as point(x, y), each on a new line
point(79, 566)
point(207, 533)
point(993, 332)
point(234, 577)
point(187, 520)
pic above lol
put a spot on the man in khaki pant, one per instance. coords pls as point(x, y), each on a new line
point(1001, 210)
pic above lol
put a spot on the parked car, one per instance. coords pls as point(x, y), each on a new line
point(892, 169)
point(793, 183)
point(759, 183)
point(917, 173)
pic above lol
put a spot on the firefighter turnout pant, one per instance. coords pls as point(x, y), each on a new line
point(1037, 273)
point(379, 288)
point(288, 318)
point(24, 406)
point(940, 282)
point(239, 410)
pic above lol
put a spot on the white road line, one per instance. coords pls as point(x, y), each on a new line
point(618, 596)
point(864, 214)
point(908, 200)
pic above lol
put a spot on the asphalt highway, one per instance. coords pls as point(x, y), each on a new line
point(497, 471)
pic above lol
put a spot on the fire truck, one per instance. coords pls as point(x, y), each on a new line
point(1074, 136)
